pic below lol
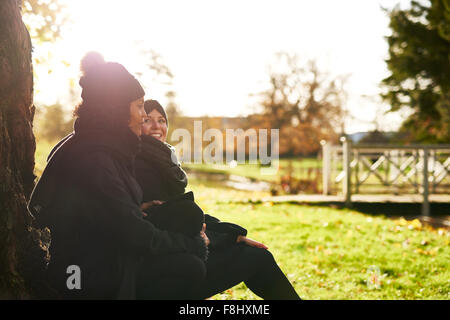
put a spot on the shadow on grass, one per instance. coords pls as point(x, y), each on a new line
point(401, 209)
point(439, 212)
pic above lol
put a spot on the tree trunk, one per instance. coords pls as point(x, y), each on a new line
point(21, 249)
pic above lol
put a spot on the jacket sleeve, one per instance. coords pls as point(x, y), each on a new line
point(150, 181)
point(216, 225)
point(119, 215)
point(219, 240)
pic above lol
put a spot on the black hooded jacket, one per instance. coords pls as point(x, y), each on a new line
point(161, 178)
point(89, 199)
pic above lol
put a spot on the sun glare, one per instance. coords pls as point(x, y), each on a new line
point(218, 52)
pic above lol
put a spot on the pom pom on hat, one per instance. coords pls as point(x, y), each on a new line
point(107, 84)
point(91, 60)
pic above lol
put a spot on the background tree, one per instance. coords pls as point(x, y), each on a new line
point(157, 76)
point(419, 61)
point(173, 113)
point(304, 102)
point(43, 18)
point(155, 71)
point(51, 123)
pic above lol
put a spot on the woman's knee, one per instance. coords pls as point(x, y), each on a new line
point(260, 256)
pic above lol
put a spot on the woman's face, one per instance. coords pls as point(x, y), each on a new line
point(155, 125)
point(137, 116)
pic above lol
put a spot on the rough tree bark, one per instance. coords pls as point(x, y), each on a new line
point(22, 252)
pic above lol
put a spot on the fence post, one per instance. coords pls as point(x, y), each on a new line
point(326, 167)
point(425, 203)
point(347, 187)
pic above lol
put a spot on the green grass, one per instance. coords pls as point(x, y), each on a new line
point(326, 253)
point(43, 149)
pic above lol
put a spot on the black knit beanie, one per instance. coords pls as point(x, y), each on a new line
point(151, 105)
point(107, 85)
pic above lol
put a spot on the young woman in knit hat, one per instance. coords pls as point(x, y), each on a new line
point(232, 257)
point(89, 199)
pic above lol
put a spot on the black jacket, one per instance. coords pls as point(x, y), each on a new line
point(161, 178)
point(89, 199)
point(157, 159)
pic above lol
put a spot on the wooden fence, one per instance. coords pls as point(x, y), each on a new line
point(353, 169)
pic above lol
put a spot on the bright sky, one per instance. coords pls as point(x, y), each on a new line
point(218, 50)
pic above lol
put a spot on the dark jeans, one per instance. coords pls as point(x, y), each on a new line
point(184, 276)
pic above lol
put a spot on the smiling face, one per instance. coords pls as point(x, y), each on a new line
point(137, 116)
point(155, 125)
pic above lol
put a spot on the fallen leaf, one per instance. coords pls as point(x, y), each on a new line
point(401, 222)
point(319, 272)
point(433, 251)
point(416, 224)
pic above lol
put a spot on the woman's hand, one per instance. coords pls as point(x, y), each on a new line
point(149, 204)
point(251, 242)
point(204, 236)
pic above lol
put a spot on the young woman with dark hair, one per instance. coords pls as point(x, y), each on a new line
point(232, 257)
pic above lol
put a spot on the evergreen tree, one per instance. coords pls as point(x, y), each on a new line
point(419, 61)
